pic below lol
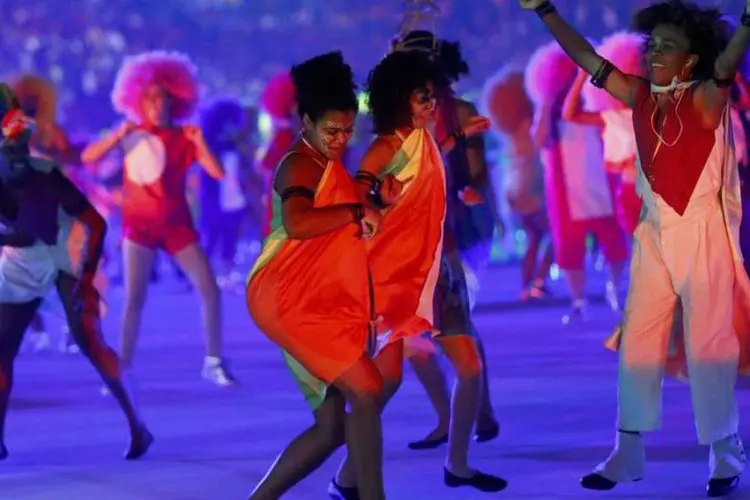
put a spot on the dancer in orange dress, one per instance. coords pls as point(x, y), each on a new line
point(303, 299)
point(407, 257)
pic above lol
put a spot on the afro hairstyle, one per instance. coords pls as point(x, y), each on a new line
point(173, 72)
point(391, 83)
point(704, 27)
point(625, 51)
point(505, 100)
point(279, 98)
point(549, 74)
point(448, 53)
point(317, 95)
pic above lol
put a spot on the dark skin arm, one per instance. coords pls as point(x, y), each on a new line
point(301, 219)
point(75, 204)
point(621, 86)
point(573, 107)
point(377, 157)
point(709, 99)
point(475, 149)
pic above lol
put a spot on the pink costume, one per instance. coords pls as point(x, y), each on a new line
point(577, 190)
point(156, 213)
point(625, 51)
point(686, 251)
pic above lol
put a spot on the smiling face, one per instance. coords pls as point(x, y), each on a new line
point(422, 102)
point(668, 55)
point(331, 133)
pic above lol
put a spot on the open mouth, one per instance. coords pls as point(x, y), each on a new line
point(657, 65)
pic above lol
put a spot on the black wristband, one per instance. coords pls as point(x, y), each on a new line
point(358, 211)
point(545, 9)
point(459, 136)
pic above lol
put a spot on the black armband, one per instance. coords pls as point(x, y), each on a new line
point(357, 210)
point(599, 79)
point(297, 192)
point(723, 83)
point(373, 184)
point(545, 9)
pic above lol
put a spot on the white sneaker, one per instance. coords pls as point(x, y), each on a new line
point(216, 370)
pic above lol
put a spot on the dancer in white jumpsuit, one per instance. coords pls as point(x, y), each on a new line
point(686, 269)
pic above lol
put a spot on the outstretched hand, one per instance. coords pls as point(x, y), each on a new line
point(476, 125)
point(532, 4)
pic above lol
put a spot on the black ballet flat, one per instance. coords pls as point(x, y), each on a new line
point(488, 434)
point(722, 487)
point(428, 444)
point(139, 444)
point(338, 492)
point(485, 483)
point(597, 482)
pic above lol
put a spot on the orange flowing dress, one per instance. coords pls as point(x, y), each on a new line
point(405, 254)
point(312, 297)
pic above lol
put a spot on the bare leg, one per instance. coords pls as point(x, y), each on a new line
point(390, 364)
point(307, 451)
point(82, 312)
point(429, 373)
point(14, 320)
point(463, 354)
point(362, 386)
point(487, 426)
point(138, 263)
point(193, 262)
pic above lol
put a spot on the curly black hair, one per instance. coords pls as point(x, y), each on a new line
point(705, 28)
point(324, 83)
point(391, 83)
point(447, 54)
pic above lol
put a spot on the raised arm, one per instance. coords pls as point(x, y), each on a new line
point(541, 128)
point(475, 149)
point(711, 96)
point(101, 148)
point(573, 107)
point(622, 87)
point(296, 182)
point(203, 154)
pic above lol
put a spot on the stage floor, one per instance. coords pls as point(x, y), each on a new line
point(553, 388)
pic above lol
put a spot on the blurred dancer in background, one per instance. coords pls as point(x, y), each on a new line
point(578, 193)
point(156, 91)
point(512, 114)
point(56, 242)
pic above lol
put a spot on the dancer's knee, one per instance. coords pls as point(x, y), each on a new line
point(464, 355)
point(362, 386)
point(330, 423)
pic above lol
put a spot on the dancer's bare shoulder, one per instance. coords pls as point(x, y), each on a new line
point(380, 153)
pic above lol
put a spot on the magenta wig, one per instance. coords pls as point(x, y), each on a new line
point(505, 101)
point(173, 72)
point(549, 74)
point(279, 98)
point(625, 51)
point(219, 115)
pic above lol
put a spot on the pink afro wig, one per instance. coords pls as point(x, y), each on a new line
point(549, 74)
point(505, 100)
point(625, 51)
point(171, 71)
point(279, 98)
